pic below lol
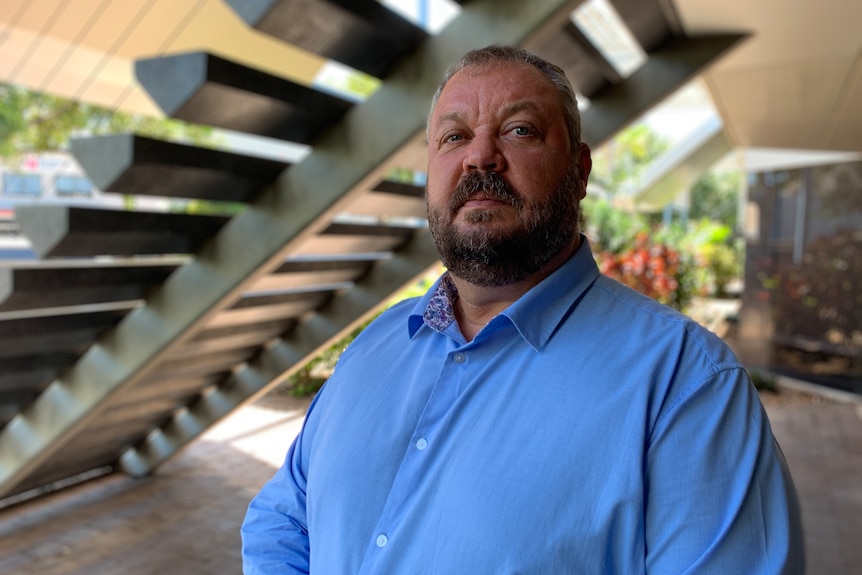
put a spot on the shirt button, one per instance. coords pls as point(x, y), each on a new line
point(382, 540)
point(459, 357)
point(421, 444)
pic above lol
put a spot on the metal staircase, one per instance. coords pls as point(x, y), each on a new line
point(137, 331)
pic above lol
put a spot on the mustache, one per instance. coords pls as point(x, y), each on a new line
point(491, 184)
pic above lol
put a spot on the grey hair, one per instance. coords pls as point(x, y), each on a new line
point(508, 54)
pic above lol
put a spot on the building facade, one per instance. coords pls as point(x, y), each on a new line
point(802, 306)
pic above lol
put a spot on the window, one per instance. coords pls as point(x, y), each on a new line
point(22, 184)
point(73, 186)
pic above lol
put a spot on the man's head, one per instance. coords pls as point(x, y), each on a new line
point(506, 168)
point(509, 55)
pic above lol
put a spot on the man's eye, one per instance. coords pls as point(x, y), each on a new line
point(521, 131)
point(453, 138)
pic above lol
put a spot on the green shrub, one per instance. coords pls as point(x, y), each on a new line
point(763, 381)
point(671, 263)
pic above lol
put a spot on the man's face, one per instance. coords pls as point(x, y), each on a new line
point(503, 183)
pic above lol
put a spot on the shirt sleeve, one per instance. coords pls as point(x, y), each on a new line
point(275, 530)
point(719, 498)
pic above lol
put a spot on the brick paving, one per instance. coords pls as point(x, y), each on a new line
point(822, 441)
point(185, 519)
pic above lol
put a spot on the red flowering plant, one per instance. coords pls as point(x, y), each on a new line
point(651, 267)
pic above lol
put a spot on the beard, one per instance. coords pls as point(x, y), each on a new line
point(489, 257)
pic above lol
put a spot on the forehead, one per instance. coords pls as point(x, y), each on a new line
point(497, 87)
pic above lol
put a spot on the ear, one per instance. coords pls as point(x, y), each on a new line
point(585, 165)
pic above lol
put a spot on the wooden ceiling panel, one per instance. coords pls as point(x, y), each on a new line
point(208, 28)
point(15, 42)
point(37, 61)
point(69, 22)
point(157, 27)
point(35, 15)
point(67, 75)
point(116, 21)
point(10, 12)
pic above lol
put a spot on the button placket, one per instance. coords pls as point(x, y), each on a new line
point(441, 400)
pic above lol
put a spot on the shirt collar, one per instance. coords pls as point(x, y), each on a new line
point(535, 315)
point(440, 311)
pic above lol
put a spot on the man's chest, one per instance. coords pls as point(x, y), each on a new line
point(476, 460)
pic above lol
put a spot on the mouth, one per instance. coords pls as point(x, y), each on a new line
point(483, 191)
point(484, 201)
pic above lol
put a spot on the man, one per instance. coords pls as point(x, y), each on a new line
point(527, 415)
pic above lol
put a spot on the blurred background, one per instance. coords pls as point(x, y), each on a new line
point(203, 201)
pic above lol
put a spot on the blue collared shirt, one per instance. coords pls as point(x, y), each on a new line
point(586, 429)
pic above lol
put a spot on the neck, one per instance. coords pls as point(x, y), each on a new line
point(477, 305)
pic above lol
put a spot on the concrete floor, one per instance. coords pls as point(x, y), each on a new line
point(186, 518)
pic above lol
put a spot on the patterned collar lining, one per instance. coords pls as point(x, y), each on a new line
point(440, 312)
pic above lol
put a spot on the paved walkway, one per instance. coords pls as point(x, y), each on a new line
point(185, 519)
point(822, 441)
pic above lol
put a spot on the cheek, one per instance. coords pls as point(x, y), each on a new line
point(435, 195)
point(551, 171)
point(444, 167)
point(442, 179)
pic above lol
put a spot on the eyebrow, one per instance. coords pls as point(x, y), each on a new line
point(449, 117)
point(521, 106)
point(513, 108)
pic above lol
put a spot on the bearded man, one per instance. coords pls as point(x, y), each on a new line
point(527, 415)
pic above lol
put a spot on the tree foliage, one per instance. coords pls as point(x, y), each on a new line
point(612, 229)
point(715, 196)
point(37, 122)
point(621, 162)
point(671, 262)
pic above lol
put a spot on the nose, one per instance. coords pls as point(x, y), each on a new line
point(484, 155)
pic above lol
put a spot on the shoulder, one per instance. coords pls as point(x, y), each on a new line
point(655, 328)
point(664, 353)
point(633, 301)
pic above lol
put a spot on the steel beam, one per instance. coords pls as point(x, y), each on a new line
point(285, 355)
point(669, 67)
